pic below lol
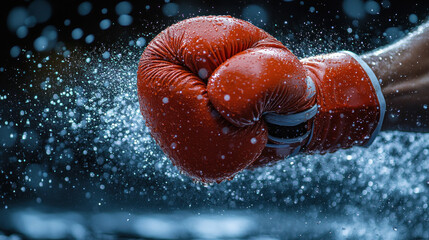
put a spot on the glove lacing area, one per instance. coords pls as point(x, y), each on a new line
point(293, 120)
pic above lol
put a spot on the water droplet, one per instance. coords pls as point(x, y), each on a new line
point(125, 20)
point(14, 51)
point(89, 39)
point(106, 55)
point(413, 18)
point(141, 42)
point(41, 44)
point(84, 8)
point(105, 24)
point(123, 7)
point(372, 7)
point(225, 130)
point(77, 33)
point(170, 9)
point(22, 32)
point(16, 18)
point(202, 73)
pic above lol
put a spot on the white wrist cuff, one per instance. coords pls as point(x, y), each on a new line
point(380, 97)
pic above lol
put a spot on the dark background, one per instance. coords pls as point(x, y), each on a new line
point(328, 15)
point(323, 29)
point(142, 180)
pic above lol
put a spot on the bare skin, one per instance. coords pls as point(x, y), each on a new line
point(403, 69)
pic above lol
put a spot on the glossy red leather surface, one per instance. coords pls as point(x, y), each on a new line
point(172, 76)
point(348, 105)
point(257, 81)
point(205, 83)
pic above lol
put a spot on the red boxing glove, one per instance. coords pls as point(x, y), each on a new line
point(257, 93)
point(349, 111)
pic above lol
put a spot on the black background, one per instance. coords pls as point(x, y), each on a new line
point(306, 33)
point(328, 15)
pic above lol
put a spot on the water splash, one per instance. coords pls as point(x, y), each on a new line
point(74, 128)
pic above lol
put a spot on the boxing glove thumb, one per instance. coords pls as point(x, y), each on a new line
point(259, 81)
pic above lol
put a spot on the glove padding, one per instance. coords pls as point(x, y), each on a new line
point(215, 91)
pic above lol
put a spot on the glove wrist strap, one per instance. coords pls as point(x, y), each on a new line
point(377, 88)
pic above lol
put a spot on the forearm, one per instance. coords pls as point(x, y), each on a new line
point(403, 69)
